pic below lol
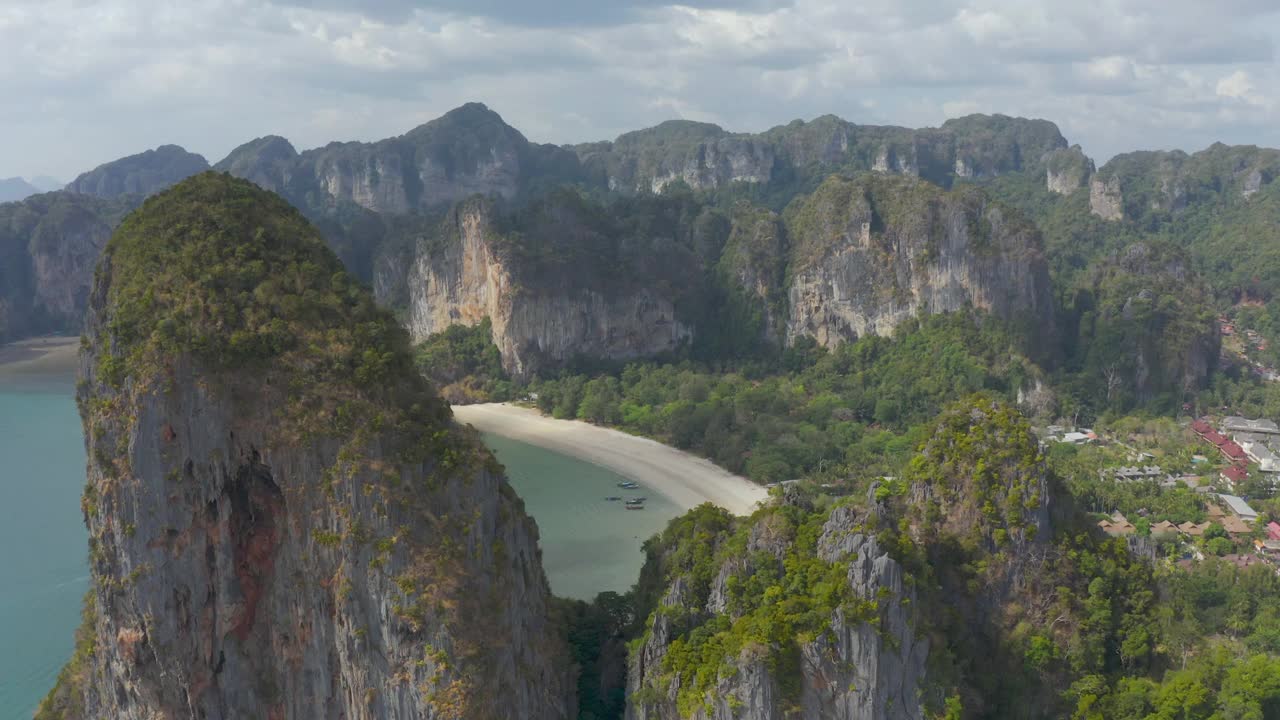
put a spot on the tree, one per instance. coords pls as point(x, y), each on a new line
point(600, 401)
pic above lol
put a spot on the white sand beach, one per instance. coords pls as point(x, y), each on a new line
point(685, 479)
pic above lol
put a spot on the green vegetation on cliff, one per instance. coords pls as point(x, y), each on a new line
point(782, 596)
point(815, 408)
point(464, 364)
point(231, 275)
point(1062, 622)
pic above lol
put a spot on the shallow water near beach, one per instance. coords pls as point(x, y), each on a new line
point(589, 545)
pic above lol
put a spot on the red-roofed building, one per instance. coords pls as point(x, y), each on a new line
point(1273, 530)
point(1234, 474)
point(1216, 438)
point(1201, 427)
point(1233, 451)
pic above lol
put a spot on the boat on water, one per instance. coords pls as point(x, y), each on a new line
point(628, 485)
point(612, 498)
point(635, 501)
point(634, 507)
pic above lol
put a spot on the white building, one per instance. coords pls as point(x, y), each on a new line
point(1261, 454)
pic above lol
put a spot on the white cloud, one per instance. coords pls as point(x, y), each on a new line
point(1237, 85)
point(87, 82)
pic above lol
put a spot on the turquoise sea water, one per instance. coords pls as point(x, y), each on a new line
point(588, 544)
point(42, 538)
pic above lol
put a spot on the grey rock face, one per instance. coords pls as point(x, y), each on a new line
point(857, 271)
point(142, 174)
point(856, 670)
point(1105, 200)
point(1067, 170)
point(467, 151)
point(468, 279)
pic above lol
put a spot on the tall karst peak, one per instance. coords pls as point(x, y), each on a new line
point(284, 520)
point(143, 174)
point(264, 161)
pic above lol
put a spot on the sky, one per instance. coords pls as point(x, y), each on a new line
point(82, 83)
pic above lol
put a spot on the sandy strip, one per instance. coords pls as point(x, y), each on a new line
point(40, 356)
point(685, 479)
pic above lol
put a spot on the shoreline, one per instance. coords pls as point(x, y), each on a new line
point(685, 479)
point(50, 356)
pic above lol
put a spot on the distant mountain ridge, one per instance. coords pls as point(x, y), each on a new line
point(385, 207)
point(15, 188)
point(143, 174)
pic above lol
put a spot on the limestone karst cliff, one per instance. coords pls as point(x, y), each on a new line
point(1148, 187)
point(284, 520)
point(558, 280)
point(1150, 324)
point(719, 643)
point(467, 151)
point(705, 156)
point(858, 608)
point(571, 278)
point(381, 206)
point(143, 174)
point(866, 254)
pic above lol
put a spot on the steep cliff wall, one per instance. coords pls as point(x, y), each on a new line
point(720, 645)
point(1067, 170)
point(896, 605)
point(866, 254)
point(547, 304)
point(284, 521)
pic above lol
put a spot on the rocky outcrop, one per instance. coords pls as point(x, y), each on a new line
point(868, 663)
point(1105, 199)
point(142, 174)
point(867, 254)
point(540, 316)
point(284, 521)
point(1067, 170)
